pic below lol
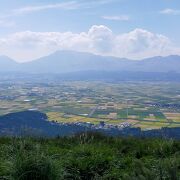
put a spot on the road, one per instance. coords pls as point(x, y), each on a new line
point(93, 111)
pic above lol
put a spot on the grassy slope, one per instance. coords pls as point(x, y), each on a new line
point(89, 156)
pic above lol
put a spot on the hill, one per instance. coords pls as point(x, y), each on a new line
point(159, 64)
point(34, 123)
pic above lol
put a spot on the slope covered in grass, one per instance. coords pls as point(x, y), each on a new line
point(89, 156)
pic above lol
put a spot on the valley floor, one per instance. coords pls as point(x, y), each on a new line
point(148, 105)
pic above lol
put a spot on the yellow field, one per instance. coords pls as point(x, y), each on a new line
point(56, 116)
point(62, 118)
point(151, 125)
point(173, 116)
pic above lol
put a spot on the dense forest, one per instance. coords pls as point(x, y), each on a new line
point(89, 156)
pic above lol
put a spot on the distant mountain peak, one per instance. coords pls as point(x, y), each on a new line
point(65, 61)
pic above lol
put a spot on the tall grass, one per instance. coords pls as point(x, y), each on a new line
point(89, 156)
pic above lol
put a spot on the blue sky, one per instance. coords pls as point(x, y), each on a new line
point(125, 28)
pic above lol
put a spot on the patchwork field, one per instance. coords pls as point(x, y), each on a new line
point(140, 104)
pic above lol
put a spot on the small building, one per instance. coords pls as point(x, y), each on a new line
point(102, 123)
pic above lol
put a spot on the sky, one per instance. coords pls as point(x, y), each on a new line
point(134, 29)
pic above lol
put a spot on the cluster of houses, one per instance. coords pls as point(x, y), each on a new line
point(102, 125)
point(169, 106)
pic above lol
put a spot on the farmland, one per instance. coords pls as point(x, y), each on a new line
point(147, 105)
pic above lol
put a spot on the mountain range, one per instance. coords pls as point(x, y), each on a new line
point(71, 61)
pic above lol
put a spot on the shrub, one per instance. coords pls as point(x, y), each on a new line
point(32, 163)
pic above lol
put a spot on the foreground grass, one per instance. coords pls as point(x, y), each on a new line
point(89, 157)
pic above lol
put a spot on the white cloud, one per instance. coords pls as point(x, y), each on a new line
point(68, 5)
point(141, 43)
point(117, 18)
point(170, 11)
point(65, 5)
point(136, 44)
point(71, 5)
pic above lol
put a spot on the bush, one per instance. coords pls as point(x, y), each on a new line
point(30, 162)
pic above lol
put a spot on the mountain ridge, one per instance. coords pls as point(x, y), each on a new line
point(72, 61)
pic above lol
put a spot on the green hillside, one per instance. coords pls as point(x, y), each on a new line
point(89, 156)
